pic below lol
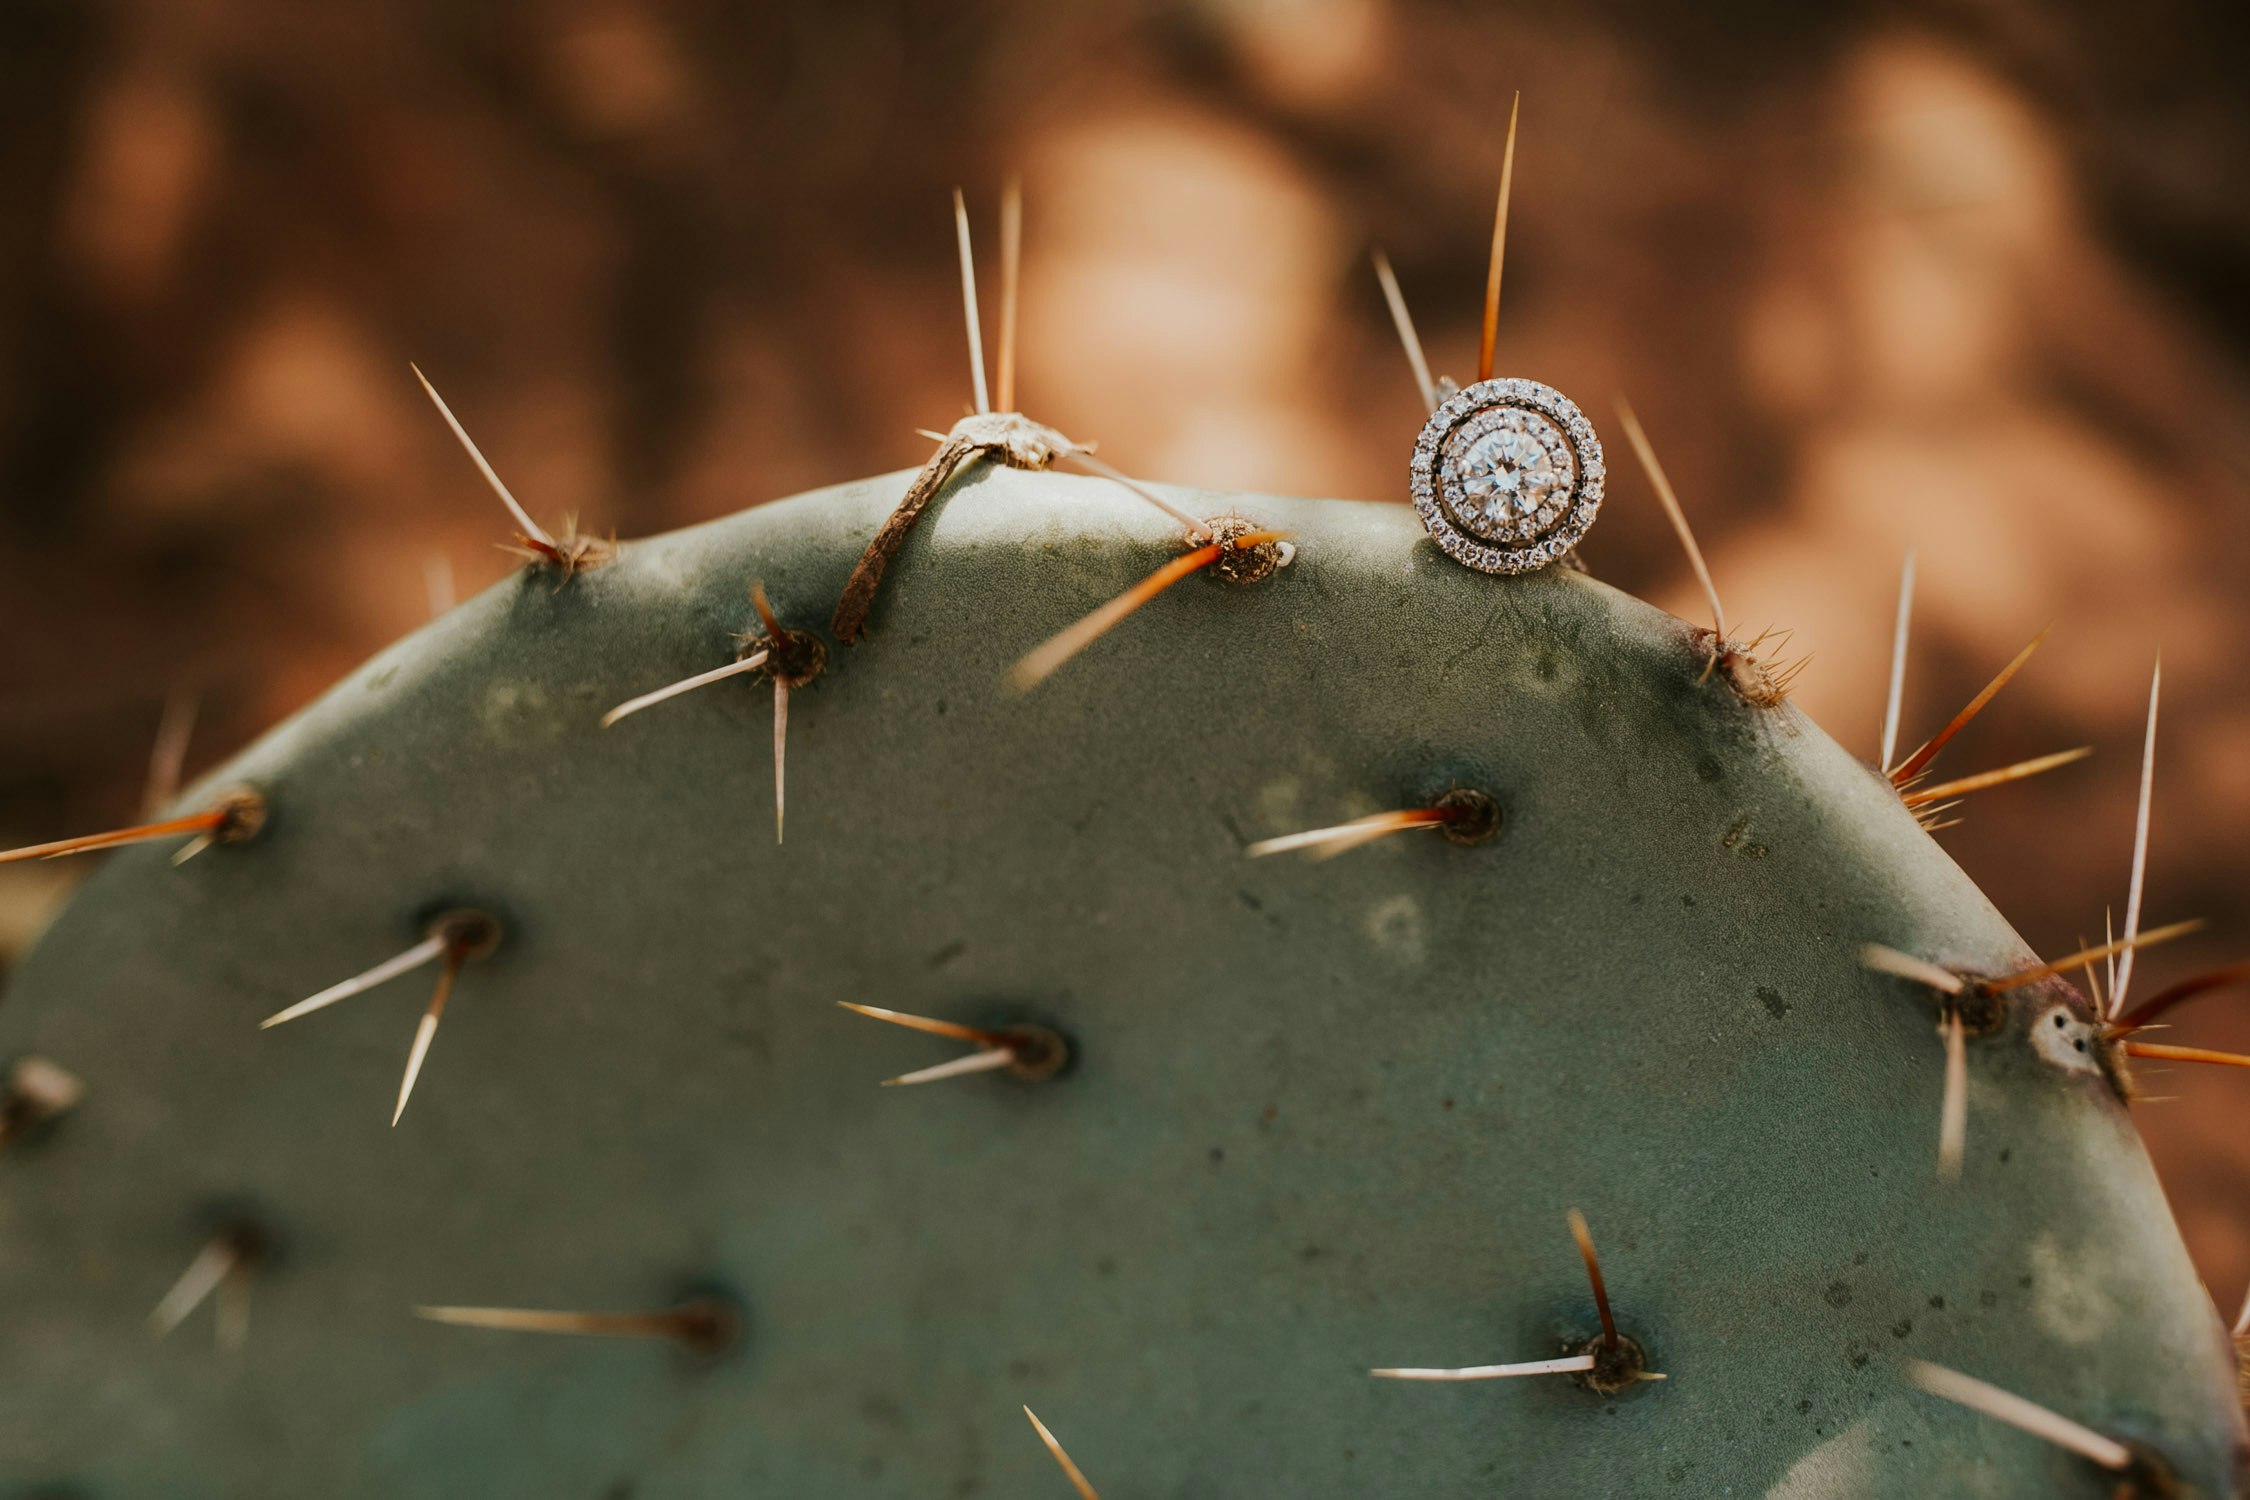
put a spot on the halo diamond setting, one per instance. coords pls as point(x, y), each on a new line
point(1507, 476)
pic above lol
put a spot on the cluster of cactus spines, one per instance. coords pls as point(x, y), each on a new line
point(1608, 1362)
point(566, 554)
point(1282, 1126)
point(35, 1092)
point(223, 1272)
point(453, 940)
point(1025, 1049)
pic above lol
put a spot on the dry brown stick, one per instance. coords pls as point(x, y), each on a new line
point(849, 622)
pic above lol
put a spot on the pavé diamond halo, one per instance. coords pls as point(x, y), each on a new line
point(1507, 475)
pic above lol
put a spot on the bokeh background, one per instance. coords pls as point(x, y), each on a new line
point(1967, 277)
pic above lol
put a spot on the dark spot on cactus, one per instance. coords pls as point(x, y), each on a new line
point(709, 1322)
point(1938, 1303)
point(245, 1230)
point(1619, 1364)
point(470, 933)
point(1839, 1294)
point(1687, 901)
point(1804, 1406)
point(752, 1040)
point(1218, 1155)
point(1471, 816)
point(252, 1243)
point(1737, 838)
point(1708, 769)
point(245, 816)
point(34, 1097)
point(1545, 666)
point(1252, 564)
point(1988, 1299)
point(1771, 999)
point(1038, 1053)
point(947, 954)
point(1983, 1011)
point(377, 681)
point(2150, 1477)
point(1902, 1328)
point(794, 657)
point(18, 1121)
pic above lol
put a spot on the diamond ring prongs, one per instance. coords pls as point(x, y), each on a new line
point(1507, 476)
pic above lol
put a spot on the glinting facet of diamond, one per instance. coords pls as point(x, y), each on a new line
point(1512, 463)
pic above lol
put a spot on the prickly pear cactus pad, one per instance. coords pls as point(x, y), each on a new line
point(1298, 1121)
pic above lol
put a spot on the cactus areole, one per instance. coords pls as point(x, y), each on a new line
point(1307, 1118)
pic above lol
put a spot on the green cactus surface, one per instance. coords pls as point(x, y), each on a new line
point(1316, 1118)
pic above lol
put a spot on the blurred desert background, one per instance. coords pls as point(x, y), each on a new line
point(1970, 278)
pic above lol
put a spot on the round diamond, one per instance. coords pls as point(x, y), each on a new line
point(1509, 464)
